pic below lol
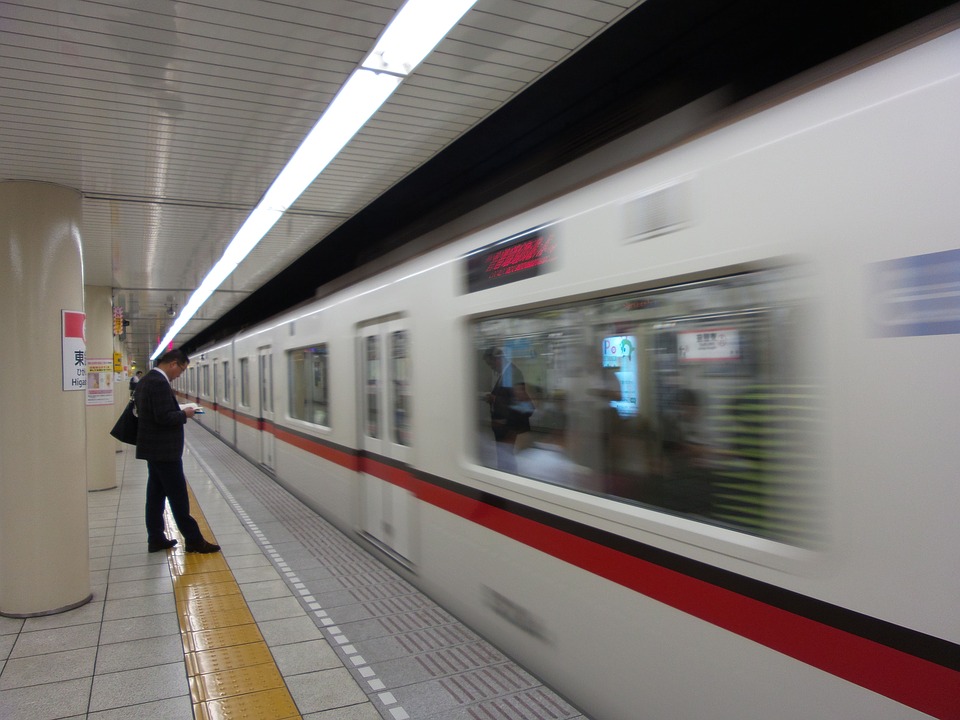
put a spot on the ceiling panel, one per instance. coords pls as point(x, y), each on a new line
point(173, 118)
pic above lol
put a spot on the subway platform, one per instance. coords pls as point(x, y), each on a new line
point(291, 620)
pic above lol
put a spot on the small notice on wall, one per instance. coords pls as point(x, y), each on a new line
point(99, 381)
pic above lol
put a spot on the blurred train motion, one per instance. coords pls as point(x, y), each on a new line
point(676, 430)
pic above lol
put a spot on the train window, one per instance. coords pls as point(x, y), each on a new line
point(372, 384)
point(245, 382)
point(694, 400)
point(400, 387)
point(205, 380)
point(266, 380)
point(226, 381)
point(309, 384)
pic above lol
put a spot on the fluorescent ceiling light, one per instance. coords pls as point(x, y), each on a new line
point(258, 224)
point(414, 31)
point(359, 98)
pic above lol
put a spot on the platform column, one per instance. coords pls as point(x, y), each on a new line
point(44, 544)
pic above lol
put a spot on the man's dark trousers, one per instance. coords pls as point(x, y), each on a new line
point(166, 481)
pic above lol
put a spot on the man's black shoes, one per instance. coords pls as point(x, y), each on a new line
point(203, 547)
point(160, 545)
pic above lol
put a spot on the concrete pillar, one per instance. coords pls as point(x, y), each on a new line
point(101, 448)
point(44, 544)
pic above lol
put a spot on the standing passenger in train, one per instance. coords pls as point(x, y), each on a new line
point(510, 407)
point(160, 443)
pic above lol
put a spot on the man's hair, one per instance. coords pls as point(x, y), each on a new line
point(176, 355)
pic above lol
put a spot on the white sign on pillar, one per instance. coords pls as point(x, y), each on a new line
point(74, 344)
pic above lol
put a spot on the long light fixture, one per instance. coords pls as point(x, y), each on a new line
point(413, 33)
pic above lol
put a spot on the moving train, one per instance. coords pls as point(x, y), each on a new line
point(676, 428)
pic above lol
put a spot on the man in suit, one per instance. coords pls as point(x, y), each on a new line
point(160, 443)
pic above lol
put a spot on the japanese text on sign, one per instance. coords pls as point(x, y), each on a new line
point(709, 345)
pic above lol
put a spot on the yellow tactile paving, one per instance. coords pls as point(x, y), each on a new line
point(194, 564)
point(238, 681)
point(206, 605)
point(196, 592)
point(266, 705)
point(221, 637)
point(201, 620)
point(231, 672)
point(185, 581)
point(230, 657)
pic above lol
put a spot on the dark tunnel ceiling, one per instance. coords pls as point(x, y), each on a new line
point(662, 56)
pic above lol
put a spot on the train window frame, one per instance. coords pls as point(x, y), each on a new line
point(319, 351)
point(244, 382)
point(227, 384)
point(399, 372)
point(661, 520)
point(265, 379)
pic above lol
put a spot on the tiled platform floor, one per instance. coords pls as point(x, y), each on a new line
point(121, 656)
point(351, 640)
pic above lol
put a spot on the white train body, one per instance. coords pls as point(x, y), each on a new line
point(828, 221)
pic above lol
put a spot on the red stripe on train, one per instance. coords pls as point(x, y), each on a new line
point(913, 681)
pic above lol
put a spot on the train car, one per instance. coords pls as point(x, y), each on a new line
point(674, 429)
point(211, 383)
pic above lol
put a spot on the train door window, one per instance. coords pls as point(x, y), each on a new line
point(226, 381)
point(205, 385)
point(698, 400)
point(266, 380)
point(215, 393)
point(245, 382)
point(192, 381)
point(386, 434)
point(265, 384)
point(371, 368)
point(309, 384)
point(399, 384)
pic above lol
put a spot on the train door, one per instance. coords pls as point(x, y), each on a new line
point(386, 434)
point(265, 376)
